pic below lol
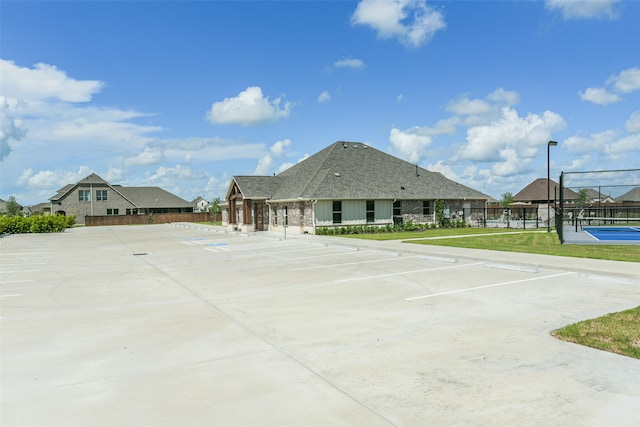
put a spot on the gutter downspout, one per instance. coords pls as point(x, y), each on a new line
point(266, 202)
point(313, 214)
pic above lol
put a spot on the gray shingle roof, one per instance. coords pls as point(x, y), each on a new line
point(632, 195)
point(537, 191)
point(351, 170)
point(153, 197)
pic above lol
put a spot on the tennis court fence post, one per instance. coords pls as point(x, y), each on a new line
point(560, 211)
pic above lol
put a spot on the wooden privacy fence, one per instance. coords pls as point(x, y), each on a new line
point(156, 218)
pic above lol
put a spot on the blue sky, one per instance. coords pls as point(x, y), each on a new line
point(184, 95)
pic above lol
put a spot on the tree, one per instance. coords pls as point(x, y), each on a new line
point(440, 216)
point(215, 205)
point(12, 207)
point(583, 198)
point(507, 199)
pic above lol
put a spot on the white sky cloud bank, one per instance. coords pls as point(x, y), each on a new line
point(584, 9)
point(412, 22)
point(512, 141)
point(250, 107)
point(45, 81)
point(51, 178)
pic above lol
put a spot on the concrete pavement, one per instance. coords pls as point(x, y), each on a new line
point(183, 324)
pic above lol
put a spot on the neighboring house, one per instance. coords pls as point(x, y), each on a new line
point(630, 196)
point(93, 196)
point(200, 205)
point(596, 196)
point(347, 183)
point(40, 208)
point(536, 193)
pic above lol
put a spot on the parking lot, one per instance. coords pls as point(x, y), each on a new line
point(188, 325)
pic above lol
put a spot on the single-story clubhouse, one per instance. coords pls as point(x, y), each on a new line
point(94, 196)
point(347, 183)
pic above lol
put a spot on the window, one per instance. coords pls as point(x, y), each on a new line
point(397, 211)
point(371, 211)
point(275, 216)
point(84, 195)
point(101, 195)
point(427, 207)
point(112, 211)
point(285, 213)
point(337, 212)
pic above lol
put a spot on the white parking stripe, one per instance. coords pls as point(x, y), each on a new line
point(353, 263)
point(407, 272)
point(489, 286)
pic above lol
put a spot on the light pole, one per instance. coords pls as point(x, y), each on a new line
point(549, 145)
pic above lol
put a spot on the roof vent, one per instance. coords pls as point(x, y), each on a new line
point(336, 174)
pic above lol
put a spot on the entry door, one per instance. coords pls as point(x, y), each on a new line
point(259, 216)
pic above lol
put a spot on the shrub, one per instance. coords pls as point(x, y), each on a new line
point(36, 224)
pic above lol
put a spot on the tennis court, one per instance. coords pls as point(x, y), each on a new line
point(166, 325)
point(604, 233)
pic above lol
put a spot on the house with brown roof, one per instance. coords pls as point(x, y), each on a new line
point(93, 196)
point(536, 193)
point(347, 183)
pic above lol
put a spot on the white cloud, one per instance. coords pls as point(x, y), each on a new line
point(52, 179)
point(250, 107)
point(10, 129)
point(349, 63)
point(584, 9)
point(177, 173)
point(607, 143)
point(480, 111)
point(410, 144)
point(633, 124)
point(504, 97)
point(465, 106)
point(264, 165)
point(512, 141)
point(627, 81)
point(599, 95)
point(592, 144)
point(324, 97)
point(147, 157)
point(412, 22)
point(279, 147)
point(266, 162)
point(207, 149)
point(43, 82)
point(445, 170)
point(627, 144)
point(115, 174)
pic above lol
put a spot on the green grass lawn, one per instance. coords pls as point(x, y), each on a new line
point(615, 332)
point(510, 240)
